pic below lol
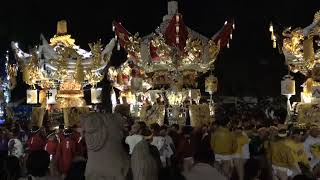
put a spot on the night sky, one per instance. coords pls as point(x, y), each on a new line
point(251, 67)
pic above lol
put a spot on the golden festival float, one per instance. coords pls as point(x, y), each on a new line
point(159, 79)
point(58, 72)
point(301, 48)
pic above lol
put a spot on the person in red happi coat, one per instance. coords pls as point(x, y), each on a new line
point(51, 147)
point(52, 144)
point(66, 151)
point(36, 140)
point(81, 147)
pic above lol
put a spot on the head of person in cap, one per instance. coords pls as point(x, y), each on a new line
point(34, 129)
point(67, 132)
point(298, 134)
point(61, 129)
point(263, 133)
point(147, 135)
point(282, 133)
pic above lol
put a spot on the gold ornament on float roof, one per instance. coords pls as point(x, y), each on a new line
point(299, 49)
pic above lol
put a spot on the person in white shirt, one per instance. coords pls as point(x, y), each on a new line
point(165, 133)
point(163, 147)
point(134, 138)
point(15, 147)
point(202, 169)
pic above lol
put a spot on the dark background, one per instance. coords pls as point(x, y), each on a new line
point(251, 67)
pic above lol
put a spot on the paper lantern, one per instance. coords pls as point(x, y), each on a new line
point(32, 96)
point(96, 97)
point(51, 96)
point(136, 84)
point(288, 85)
point(211, 84)
point(194, 94)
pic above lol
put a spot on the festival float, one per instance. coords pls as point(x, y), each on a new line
point(58, 71)
point(159, 79)
point(301, 48)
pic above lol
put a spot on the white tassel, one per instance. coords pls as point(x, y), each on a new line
point(177, 18)
point(230, 36)
point(234, 26)
point(113, 99)
point(177, 29)
point(113, 28)
point(118, 46)
point(274, 44)
point(116, 37)
point(177, 39)
point(228, 45)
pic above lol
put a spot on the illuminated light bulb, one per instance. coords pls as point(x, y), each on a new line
point(226, 22)
point(113, 28)
point(177, 29)
point(116, 37)
point(177, 39)
point(228, 45)
point(118, 46)
point(230, 36)
point(271, 27)
point(234, 26)
point(177, 18)
point(273, 37)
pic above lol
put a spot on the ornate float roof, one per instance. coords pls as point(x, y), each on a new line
point(173, 47)
point(301, 46)
point(62, 60)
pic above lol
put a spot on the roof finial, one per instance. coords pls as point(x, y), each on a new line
point(62, 27)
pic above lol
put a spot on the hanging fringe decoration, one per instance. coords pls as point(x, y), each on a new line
point(113, 99)
point(118, 46)
point(177, 18)
point(274, 44)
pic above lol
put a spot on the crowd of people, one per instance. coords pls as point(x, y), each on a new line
point(228, 148)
